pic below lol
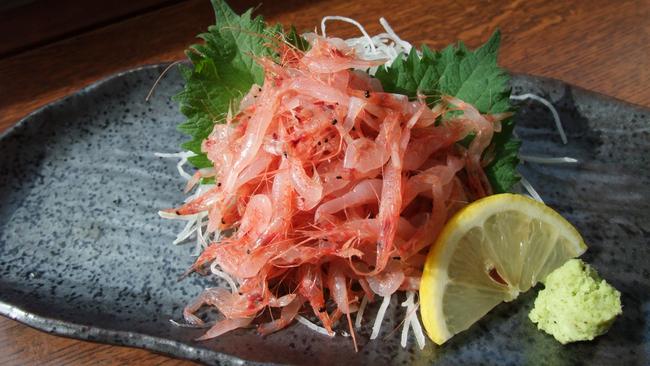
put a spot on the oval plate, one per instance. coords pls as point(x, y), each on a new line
point(84, 254)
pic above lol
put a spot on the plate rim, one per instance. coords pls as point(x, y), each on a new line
point(96, 334)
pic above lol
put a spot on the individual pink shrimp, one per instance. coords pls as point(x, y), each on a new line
point(241, 262)
point(196, 178)
point(251, 141)
point(310, 286)
point(224, 326)
point(338, 286)
point(365, 192)
point(199, 204)
point(334, 176)
point(307, 251)
point(217, 145)
point(440, 174)
point(287, 315)
point(484, 131)
point(282, 197)
point(309, 189)
point(255, 169)
point(388, 281)
point(323, 58)
point(426, 143)
point(341, 232)
point(229, 304)
point(319, 90)
point(365, 155)
point(355, 106)
point(256, 218)
point(425, 235)
point(404, 228)
point(390, 203)
point(359, 80)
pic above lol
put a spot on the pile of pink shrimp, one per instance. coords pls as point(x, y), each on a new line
point(332, 189)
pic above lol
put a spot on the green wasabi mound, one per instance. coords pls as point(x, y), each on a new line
point(576, 304)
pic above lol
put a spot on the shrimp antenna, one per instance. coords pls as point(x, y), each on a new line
point(155, 84)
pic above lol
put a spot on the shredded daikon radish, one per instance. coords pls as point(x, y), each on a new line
point(201, 240)
point(194, 224)
point(541, 159)
point(380, 317)
point(408, 304)
point(556, 116)
point(174, 216)
point(412, 321)
point(185, 325)
point(189, 228)
point(301, 319)
point(398, 41)
point(183, 160)
point(384, 46)
point(533, 193)
point(202, 216)
point(362, 308)
point(221, 274)
point(347, 20)
point(417, 328)
point(548, 160)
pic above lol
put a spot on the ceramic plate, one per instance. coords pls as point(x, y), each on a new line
point(84, 254)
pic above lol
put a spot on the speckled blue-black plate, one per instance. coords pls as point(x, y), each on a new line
point(83, 253)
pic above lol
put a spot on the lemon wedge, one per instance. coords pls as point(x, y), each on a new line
point(489, 252)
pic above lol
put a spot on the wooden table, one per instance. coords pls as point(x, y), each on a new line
point(599, 45)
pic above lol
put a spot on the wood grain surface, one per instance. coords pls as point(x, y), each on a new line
point(600, 45)
point(42, 22)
